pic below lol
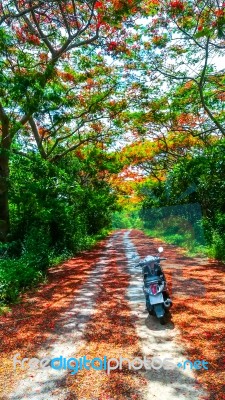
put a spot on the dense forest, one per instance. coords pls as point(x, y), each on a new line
point(112, 115)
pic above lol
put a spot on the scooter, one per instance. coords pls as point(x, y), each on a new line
point(155, 289)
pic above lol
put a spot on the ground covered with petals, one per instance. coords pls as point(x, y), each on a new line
point(197, 288)
point(110, 332)
point(33, 320)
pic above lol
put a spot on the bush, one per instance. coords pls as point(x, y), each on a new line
point(20, 273)
point(35, 249)
point(16, 276)
point(56, 210)
point(218, 245)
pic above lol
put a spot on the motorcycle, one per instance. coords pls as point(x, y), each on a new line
point(155, 289)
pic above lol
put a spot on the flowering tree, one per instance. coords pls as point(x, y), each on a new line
point(50, 89)
point(177, 80)
point(185, 46)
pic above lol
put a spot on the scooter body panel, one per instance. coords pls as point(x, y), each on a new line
point(159, 310)
point(156, 299)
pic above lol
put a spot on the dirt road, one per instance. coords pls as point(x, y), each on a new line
point(93, 306)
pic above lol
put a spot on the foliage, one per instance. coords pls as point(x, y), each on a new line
point(128, 218)
point(197, 180)
point(56, 211)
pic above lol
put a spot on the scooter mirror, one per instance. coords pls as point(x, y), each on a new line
point(160, 249)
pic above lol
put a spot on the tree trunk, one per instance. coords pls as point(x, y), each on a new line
point(4, 177)
point(4, 203)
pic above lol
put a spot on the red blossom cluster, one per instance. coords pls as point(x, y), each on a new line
point(120, 4)
point(82, 100)
point(97, 127)
point(177, 4)
point(43, 132)
point(100, 7)
point(112, 46)
point(20, 35)
point(25, 36)
point(33, 39)
point(157, 39)
point(221, 96)
point(22, 3)
point(43, 56)
point(66, 76)
point(220, 12)
point(98, 4)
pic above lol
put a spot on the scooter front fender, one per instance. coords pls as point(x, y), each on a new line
point(159, 310)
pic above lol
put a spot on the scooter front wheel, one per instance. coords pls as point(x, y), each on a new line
point(162, 320)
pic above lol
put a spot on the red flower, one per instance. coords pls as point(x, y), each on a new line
point(98, 4)
point(219, 13)
point(177, 4)
point(112, 46)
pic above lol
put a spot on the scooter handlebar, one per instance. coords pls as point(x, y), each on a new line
point(142, 263)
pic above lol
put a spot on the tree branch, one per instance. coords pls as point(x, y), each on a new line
point(37, 137)
point(201, 85)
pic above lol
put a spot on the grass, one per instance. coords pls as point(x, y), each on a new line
point(185, 240)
